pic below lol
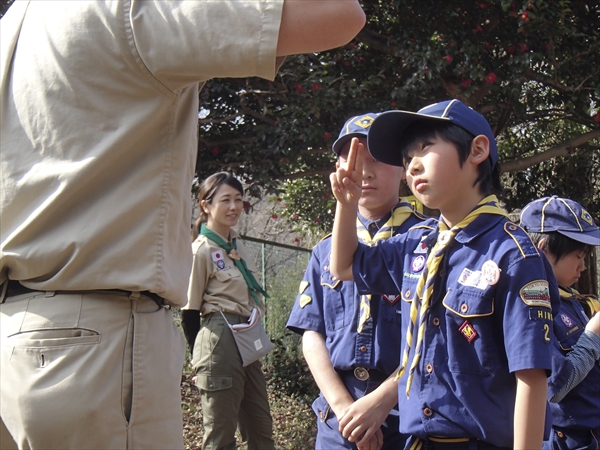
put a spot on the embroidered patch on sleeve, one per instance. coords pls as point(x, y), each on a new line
point(305, 300)
point(303, 285)
point(540, 314)
point(536, 293)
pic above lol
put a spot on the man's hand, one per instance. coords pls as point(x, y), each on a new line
point(346, 181)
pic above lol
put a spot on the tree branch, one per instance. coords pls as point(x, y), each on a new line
point(562, 149)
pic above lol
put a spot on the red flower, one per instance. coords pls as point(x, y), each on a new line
point(477, 29)
point(393, 104)
point(297, 240)
point(274, 216)
point(523, 47)
point(295, 216)
point(327, 196)
point(316, 87)
point(525, 16)
point(482, 5)
point(466, 83)
point(346, 63)
point(327, 135)
point(318, 220)
point(490, 78)
point(216, 150)
point(298, 87)
point(448, 58)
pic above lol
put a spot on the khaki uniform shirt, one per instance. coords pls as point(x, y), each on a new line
point(216, 284)
point(99, 104)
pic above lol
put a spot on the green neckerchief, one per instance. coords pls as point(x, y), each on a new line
point(253, 285)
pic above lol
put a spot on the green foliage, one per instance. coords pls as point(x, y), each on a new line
point(531, 67)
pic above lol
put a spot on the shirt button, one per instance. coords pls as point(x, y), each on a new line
point(429, 368)
point(407, 293)
point(464, 308)
point(428, 412)
point(436, 321)
point(363, 349)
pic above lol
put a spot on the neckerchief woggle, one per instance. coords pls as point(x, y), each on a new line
point(239, 262)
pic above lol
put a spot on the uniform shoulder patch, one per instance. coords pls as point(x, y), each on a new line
point(536, 293)
point(305, 300)
point(303, 285)
point(522, 240)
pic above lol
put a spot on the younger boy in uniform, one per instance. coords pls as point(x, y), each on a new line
point(351, 342)
point(566, 233)
point(476, 294)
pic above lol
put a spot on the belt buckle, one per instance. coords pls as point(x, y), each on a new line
point(361, 373)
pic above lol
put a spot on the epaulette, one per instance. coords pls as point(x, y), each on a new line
point(423, 226)
point(522, 239)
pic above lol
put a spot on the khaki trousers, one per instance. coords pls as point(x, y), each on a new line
point(232, 395)
point(91, 370)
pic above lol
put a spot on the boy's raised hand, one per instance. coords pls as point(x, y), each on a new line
point(346, 181)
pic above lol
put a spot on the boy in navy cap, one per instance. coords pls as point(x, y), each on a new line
point(476, 294)
point(351, 342)
point(566, 233)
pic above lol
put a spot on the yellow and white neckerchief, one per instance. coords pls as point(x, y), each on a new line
point(397, 218)
point(424, 290)
point(590, 302)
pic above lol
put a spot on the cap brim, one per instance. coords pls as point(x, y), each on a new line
point(339, 144)
point(385, 136)
point(586, 237)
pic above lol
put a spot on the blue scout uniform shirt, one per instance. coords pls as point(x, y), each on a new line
point(331, 307)
point(580, 408)
point(490, 316)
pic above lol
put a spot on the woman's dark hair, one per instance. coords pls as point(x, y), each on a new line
point(558, 245)
point(422, 130)
point(207, 191)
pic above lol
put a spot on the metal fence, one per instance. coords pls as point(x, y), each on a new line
point(281, 268)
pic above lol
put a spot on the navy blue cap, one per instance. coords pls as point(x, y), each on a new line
point(357, 126)
point(385, 137)
point(563, 215)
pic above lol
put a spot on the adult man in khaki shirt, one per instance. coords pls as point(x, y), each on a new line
point(99, 115)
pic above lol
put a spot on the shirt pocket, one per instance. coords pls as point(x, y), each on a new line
point(566, 335)
point(475, 341)
point(225, 276)
point(338, 302)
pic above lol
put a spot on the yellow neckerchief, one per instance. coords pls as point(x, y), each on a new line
point(399, 214)
point(590, 302)
point(424, 290)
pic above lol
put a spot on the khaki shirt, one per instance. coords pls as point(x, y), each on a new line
point(216, 284)
point(99, 122)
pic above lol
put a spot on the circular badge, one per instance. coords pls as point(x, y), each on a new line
point(491, 272)
point(566, 320)
point(418, 263)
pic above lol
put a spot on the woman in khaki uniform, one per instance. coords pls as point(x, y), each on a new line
point(231, 395)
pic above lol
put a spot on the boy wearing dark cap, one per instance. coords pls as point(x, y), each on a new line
point(351, 342)
point(566, 233)
point(476, 294)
